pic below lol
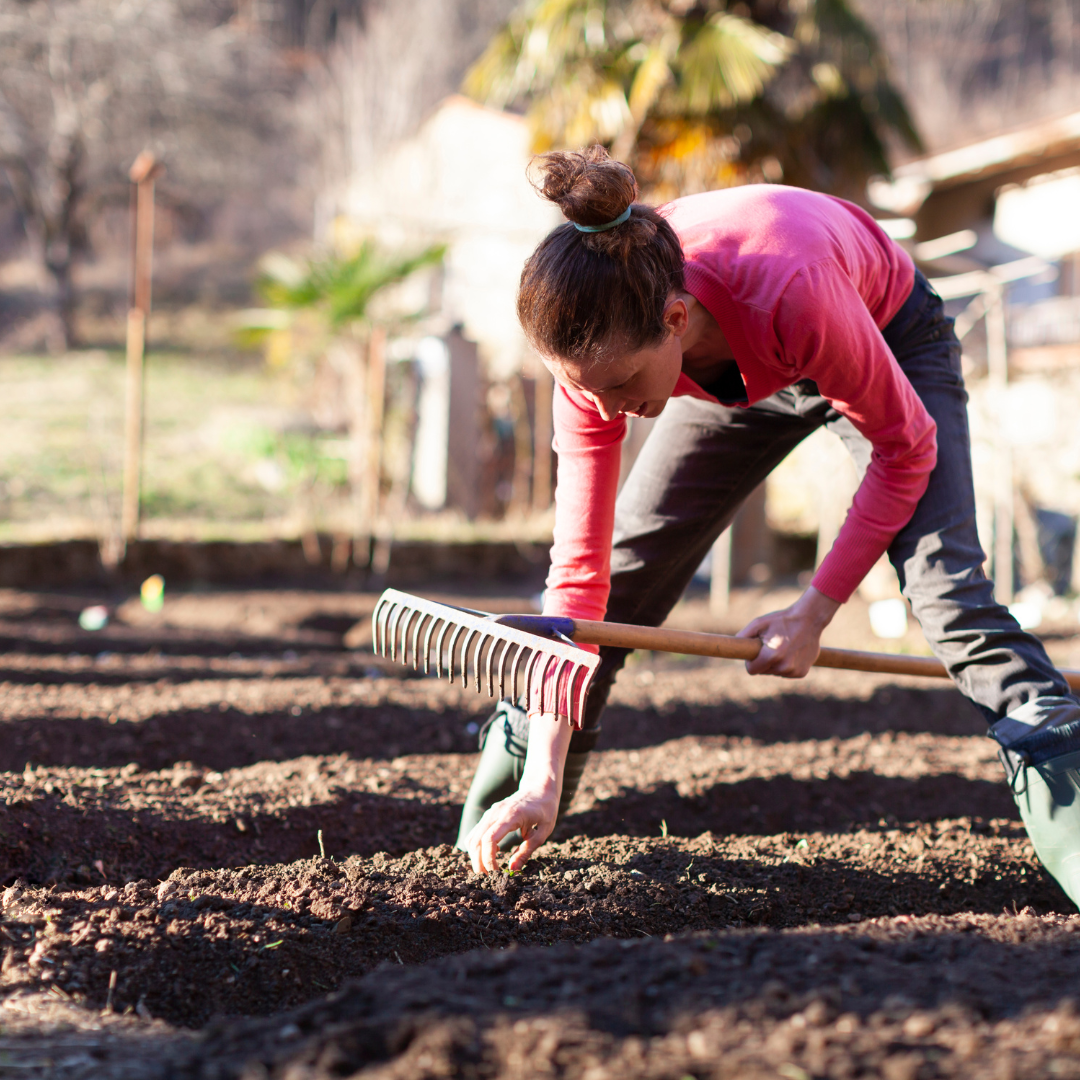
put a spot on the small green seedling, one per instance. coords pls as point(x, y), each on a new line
point(663, 827)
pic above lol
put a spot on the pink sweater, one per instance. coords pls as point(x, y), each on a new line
point(801, 284)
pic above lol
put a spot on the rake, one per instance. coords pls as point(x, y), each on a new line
point(537, 655)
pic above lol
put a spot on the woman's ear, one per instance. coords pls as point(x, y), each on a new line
point(676, 315)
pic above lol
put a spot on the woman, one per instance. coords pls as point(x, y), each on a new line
point(743, 319)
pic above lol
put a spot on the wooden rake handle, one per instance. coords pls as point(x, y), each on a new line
point(693, 643)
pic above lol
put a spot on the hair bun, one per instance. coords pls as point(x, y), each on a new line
point(588, 186)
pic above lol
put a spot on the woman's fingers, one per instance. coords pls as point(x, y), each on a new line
point(760, 628)
point(489, 850)
point(533, 816)
point(523, 852)
point(788, 647)
point(752, 628)
point(483, 841)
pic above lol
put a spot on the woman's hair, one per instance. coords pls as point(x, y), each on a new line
point(585, 293)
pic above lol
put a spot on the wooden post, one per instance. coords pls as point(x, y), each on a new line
point(144, 172)
point(720, 574)
point(376, 396)
point(997, 363)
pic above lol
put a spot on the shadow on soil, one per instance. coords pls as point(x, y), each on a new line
point(48, 841)
point(793, 717)
point(765, 807)
point(510, 1015)
point(229, 739)
point(225, 738)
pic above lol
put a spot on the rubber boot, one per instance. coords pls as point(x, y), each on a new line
point(504, 739)
point(1048, 797)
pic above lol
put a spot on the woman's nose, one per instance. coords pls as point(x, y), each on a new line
point(608, 407)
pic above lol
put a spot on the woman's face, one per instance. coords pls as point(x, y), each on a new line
point(631, 383)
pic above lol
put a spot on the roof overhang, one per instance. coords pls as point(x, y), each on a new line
point(912, 183)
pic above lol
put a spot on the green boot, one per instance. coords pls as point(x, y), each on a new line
point(1048, 797)
point(504, 739)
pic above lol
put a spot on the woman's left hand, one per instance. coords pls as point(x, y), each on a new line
point(790, 639)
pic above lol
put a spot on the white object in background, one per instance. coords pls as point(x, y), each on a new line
point(902, 228)
point(94, 618)
point(1041, 216)
point(941, 246)
point(1027, 613)
point(1029, 605)
point(1028, 413)
point(430, 459)
point(888, 619)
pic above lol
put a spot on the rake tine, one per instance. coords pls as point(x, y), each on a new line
point(387, 615)
point(514, 673)
point(413, 615)
point(545, 680)
point(581, 673)
point(490, 664)
point(427, 620)
point(529, 669)
point(395, 619)
point(566, 689)
point(427, 644)
point(465, 659)
point(439, 648)
point(407, 634)
point(458, 631)
point(375, 627)
point(502, 667)
point(483, 640)
point(382, 617)
point(399, 639)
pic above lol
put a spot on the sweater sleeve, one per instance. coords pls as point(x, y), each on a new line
point(826, 333)
point(589, 454)
point(579, 580)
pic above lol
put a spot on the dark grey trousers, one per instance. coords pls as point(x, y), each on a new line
point(701, 460)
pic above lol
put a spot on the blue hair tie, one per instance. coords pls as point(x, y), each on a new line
point(624, 216)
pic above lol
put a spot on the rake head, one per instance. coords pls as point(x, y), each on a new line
point(554, 673)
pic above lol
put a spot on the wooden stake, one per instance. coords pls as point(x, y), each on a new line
point(376, 396)
point(720, 574)
point(144, 172)
point(133, 420)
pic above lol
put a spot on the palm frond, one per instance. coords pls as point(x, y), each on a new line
point(341, 287)
point(727, 60)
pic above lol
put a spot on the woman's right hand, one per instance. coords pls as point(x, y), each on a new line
point(534, 807)
point(531, 811)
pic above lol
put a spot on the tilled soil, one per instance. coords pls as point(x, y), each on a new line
point(225, 847)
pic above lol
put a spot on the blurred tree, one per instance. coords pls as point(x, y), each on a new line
point(367, 91)
point(87, 84)
point(698, 94)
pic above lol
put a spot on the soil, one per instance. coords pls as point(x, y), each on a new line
point(225, 851)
